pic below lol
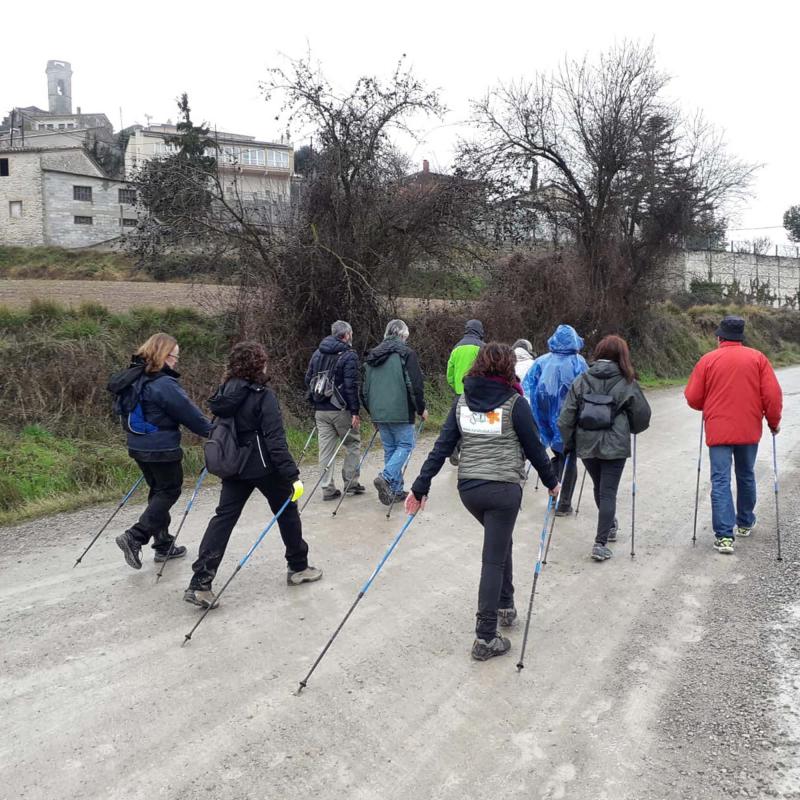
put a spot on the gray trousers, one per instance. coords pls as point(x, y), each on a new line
point(331, 426)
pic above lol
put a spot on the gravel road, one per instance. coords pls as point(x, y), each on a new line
point(673, 675)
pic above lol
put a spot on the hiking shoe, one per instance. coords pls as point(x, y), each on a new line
point(385, 493)
point(612, 534)
point(483, 650)
point(204, 598)
point(356, 488)
point(601, 553)
point(331, 495)
point(724, 544)
point(566, 511)
point(740, 531)
point(455, 459)
point(177, 552)
point(400, 497)
point(507, 617)
point(307, 575)
point(131, 549)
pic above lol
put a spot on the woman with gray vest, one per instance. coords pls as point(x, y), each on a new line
point(493, 423)
point(603, 408)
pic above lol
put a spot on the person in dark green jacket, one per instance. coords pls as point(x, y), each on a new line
point(603, 407)
point(460, 363)
point(393, 392)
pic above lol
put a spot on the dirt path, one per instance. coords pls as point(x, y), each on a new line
point(674, 675)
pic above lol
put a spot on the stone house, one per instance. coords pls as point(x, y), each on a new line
point(60, 196)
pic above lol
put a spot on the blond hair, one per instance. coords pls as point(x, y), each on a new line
point(155, 351)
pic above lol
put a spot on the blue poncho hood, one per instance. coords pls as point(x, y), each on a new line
point(565, 341)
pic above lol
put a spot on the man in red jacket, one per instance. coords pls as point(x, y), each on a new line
point(735, 387)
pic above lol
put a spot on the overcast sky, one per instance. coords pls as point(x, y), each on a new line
point(739, 66)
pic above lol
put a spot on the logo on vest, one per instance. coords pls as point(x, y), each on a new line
point(489, 423)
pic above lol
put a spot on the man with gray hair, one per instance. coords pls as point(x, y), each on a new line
point(394, 394)
point(332, 384)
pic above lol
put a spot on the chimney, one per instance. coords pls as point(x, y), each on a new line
point(79, 110)
point(426, 167)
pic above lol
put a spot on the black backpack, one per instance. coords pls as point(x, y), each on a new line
point(322, 388)
point(126, 386)
point(223, 455)
point(597, 412)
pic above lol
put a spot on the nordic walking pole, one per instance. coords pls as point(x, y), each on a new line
point(305, 448)
point(331, 460)
point(777, 509)
point(244, 560)
point(580, 493)
point(528, 472)
point(537, 570)
point(405, 466)
point(558, 500)
point(108, 522)
point(358, 472)
point(697, 487)
point(363, 591)
point(189, 505)
point(633, 499)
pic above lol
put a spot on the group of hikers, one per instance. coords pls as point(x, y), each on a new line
point(509, 407)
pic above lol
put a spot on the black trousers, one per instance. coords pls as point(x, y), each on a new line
point(605, 475)
point(567, 478)
point(165, 479)
point(495, 505)
point(232, 499)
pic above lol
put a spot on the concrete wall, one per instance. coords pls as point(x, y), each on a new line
point(24, 182)
point(61, 209)
point(782, 274)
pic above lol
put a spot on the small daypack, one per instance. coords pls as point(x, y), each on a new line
point(322, 388)
point(597, 412)
point(223, 455)
point(127, 386)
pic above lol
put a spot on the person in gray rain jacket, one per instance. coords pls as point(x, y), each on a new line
point(603, 407)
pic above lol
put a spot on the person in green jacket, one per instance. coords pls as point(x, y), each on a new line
point(393, 392)
point(462, 357)
point(603, 407)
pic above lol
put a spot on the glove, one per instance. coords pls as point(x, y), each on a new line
point(297, 491)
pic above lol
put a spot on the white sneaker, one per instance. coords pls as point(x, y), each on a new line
point(307, 575)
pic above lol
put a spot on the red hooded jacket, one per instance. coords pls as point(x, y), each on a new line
point(735, 387)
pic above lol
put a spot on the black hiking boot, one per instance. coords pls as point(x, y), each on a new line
point(131, 549)
point(334, 495)
point(483, 650)
point(385, 494)
point(507, 617)
point(177, 552)
point(204, 598)
point(356, 488)
point(400, 497)
point(564, 511)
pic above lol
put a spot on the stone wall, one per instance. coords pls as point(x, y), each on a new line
point(23, 183)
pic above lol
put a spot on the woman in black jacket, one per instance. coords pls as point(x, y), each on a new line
point(494, 425)
point(270, 468)
point(603, 408)
point(154, 442)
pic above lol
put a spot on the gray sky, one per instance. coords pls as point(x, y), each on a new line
point(735, 61)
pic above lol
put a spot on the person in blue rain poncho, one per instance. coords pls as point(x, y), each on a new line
point(547, 384)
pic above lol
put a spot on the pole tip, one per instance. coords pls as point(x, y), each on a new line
point(300, 688)
point(520, 666)
point(76, 564)
point(186, 639)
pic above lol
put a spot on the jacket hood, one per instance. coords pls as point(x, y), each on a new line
point(378, 355)
point(565, 340)
point(230, 396)
point(484, 394)
point(605, 370)
point(474, 327)
point(522, 354)
point(330, 345)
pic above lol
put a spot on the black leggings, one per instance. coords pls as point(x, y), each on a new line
point(232, 499)
point(165, 479)
point(495, 505)
point(606, 475)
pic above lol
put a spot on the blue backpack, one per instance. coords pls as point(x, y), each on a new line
point(126, 387)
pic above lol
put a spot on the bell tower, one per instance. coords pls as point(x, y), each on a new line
point(59, 87)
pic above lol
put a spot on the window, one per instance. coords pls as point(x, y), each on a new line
point(252, 157)
point(41, 126)
point(278, 158)
point(83, 220)
point(61, 126)
point(127, 196)
point(164, 149)
point(82, 193)
point(15, 209)
point(230, 155)
point(128, 223)
point(3, 167)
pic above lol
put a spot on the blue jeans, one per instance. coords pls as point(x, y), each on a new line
point(723, 517)
point(397, 439)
